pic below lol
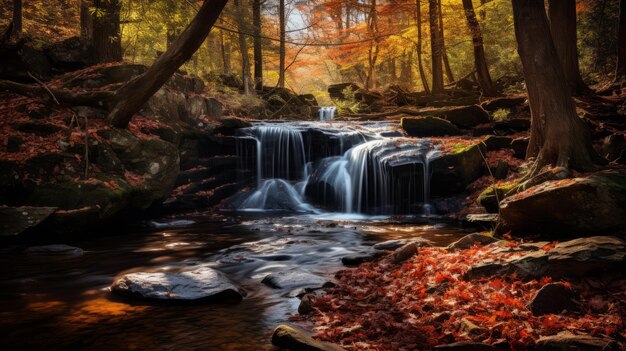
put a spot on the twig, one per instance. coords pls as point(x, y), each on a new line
point(86, 129)
point(45, 87)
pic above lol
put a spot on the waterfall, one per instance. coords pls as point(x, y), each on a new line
point(327, 113)
point(352, 168)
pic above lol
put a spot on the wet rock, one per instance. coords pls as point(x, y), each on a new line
point(200, 284)
point(566, 341)
point(579, 206)
point(293, 279)
point(470, 240)
point(54, 250)
point(519, 146)
point(357, 259)
point(16, 220)
point(229, 125)
point(296, 339)
point(503, 102)
point(466, 346)
point(428, 126)
point(306, 304)
point(404, 253)
point(574, 258)
point(553, 298)
point(513, 125)
point(397, 243)
point(496, 142)
point(461, 116)
point(454, 171)
point(490, 197)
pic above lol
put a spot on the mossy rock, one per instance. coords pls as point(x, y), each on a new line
point(428, 126)
point(454, 171)
point(490, 196)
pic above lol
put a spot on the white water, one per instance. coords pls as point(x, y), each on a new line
point(327, 113)
point(354, 168)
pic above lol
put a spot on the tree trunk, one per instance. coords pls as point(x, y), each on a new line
point(418, 21)
point(620, 71)
point(258, 48)
point(243, 46)
point(444, 53)
point(86, 21)
point(435, 46)
point(107, 43)
point(480, 62)
point(17, 19)
point(134, 94)
point(562, 17)
point(225, 50)
point(566, 140)
point(281, 51)
point(372, 57)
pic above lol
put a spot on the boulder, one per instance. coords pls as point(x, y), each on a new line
point(613, 146)
point(577, 206)
point(553, 298)
point(490, 197)
point(16, 220)
point(567, 341)
point(513, 125)
point(292, 338)
point(454, 171)
point(70, 54)
point(357, 259)
point(519, 146)
point(428, 126)
point(496, 142)
point(187, 84)
point(20, 59)
point(199, 284)
point(503, 102)
point(229, 125)
point(54, 250)
point(460, 116)
point(293, 279)
point(404, 253)
point(574, 258)
point(306, 304)
point(466, 346)
point(470, 240)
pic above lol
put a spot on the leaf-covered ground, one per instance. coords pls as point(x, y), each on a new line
point(425, 302)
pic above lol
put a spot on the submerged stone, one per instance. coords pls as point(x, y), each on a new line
point(293, 279)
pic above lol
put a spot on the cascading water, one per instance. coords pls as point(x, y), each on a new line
point(367, 168)
point(327, 113)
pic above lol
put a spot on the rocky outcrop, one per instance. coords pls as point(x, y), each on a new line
point(16, 220)
point(428, 126)
point(200, 284)
point(292, 338)
point(578, 206)
point(460, 116)
point(574, 258)
point(554, 298)
point(454, 171)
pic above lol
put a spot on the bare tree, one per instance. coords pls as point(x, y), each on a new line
point(420, 65)
point(258, 48)
point(107, 42)
point(281, 50)
point(435, 46)
point(480, 62)
point(17, 18)
point(620, 70)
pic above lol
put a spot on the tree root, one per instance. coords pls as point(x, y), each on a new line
point(99, 99)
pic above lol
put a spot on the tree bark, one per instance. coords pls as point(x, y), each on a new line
point(372, 57)
point(86, 20)
point(17, 19)
point(418, 21)
point(131, 96)
point(444, 52)
point(562, 17)
point(243, 46)
point(258, 48)
point(620, 70)
point(107, 43)
point(435, 46)
point(480, 62)
point(281, 50)
point(566, 140)
point(225, 51)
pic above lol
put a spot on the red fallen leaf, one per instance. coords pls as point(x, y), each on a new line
point(550, 246)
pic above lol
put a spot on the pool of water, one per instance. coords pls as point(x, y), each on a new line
point(63, 303)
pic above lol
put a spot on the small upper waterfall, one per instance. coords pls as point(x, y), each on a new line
point(367, 168)
point(327, 113)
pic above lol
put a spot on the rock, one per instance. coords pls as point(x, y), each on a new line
point(470, 328)
point(503, 102)
point(357, 259)
point(404, 253)
point(578, 206)
point(308, 99)
point(428, 126)
point(397, 243)
point(187, 84)
point(553, 298)
point(496, 142)
point(199, 284)
point(20, 59)
point(306, 304)
point(470, 240)
point(70, 54)
point(293, 279)
point(574, 258)
point(296, 339)
point(566, 341)
point(519, 147)
point(103, 75)
point(454, 171)
point(613, 146)
point(230, 124)
point(461, 116)
point(513, 125)
point(501, 171)
point(55, 250)
point(16, 220)
point(490, 197)
point(466, 346)
point(231, 80)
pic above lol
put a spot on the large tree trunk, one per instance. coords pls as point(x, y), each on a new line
point(225, 51)
point(281, 51)
point(374, 49)
point(258, 48)
point(107, 42)
point(17, 19)
point(435, 46)
point(130, 97)
point(480, 62)
point(444, 52)
point(418, 21)
point(620, 71)
point(566, 140)
point(86, 20)
point(562, 16)
point(243, 46)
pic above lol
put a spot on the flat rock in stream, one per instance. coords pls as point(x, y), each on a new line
point(470, 240)
point(293, 280)
point(16, 220)
point(357, 259)
point(200, 284)
point(398, 243)
point(296, 339)
point(574, 258)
